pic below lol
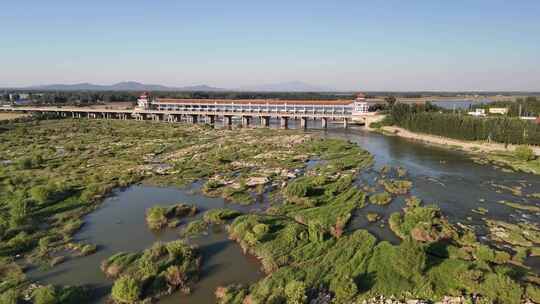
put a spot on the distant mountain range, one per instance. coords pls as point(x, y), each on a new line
point(121, 86)
point(292, 86)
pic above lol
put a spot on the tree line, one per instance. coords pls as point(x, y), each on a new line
point(96, 97)
point(428, 119)
point(528, 106)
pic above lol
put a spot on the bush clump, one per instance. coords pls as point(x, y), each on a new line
point(154, 272)
point(383, 198)
point(158, 217)
point(218, 215)
point(524, 153)
point(126, 290)
point(45, 295)
point(397, 186)
point(424, 224)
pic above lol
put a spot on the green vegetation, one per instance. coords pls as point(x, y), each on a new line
point(522, 234)
point(424, 119)
point(55, 172)
point(303, 255)
point(383, 198)
point(57, 295)
point(126, 290)
point(524, 153)
point(373, 217)
point(156, 271)
point(219, 215)
point(355, 266)
point(528, 106)
point(397, 186)
point(423, 224)
point(159, 217)
point(519, 206)
point(195, 227)
point(510, 160)
point(305, 245)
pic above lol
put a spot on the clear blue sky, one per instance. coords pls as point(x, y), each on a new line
point(359, 45)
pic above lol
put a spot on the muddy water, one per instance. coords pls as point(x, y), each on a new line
point(447, 178)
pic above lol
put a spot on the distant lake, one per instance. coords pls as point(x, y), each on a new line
point(459, 104)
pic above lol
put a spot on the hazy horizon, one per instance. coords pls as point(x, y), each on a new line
point(346, 46)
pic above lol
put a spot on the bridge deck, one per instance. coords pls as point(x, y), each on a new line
point(166, 112)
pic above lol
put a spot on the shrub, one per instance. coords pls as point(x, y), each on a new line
point(301, 187)
point(533, 292)
point(45, 295)
point(295, 292)
point(218, 215)
point(11, 296)
point(524, 153)
point(126, 290)
point(260, 230)
point(73, 295)
point(412, 257)
point(18, 211)
point(25, 163)
point(382, 198)
point(196, 227)
point(344, 288)
point(175, 276)
point(156, 217)
point(41, 194)
point(499, 288)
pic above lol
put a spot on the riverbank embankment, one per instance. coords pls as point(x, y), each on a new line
point(468, 146)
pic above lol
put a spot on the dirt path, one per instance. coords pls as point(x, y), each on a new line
point(8, 116)
point(469, 146)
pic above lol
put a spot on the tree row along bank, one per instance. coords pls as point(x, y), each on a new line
point(55, 172)
point(506, 130)
point(508, 141)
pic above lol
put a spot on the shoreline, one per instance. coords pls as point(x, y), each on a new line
point(467, 146)
point(481, 152)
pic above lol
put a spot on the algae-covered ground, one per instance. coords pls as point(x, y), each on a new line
point(507, 161)
point(53, 173)
point(309, 255)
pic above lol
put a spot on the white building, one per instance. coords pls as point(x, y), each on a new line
point(358, 107)
point(143, 102)
point(478, 112)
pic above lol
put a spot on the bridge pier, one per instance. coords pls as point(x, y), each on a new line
point(227, 120)
point(246, 121)
point(303, 122)
point(284, 122)
point(324, 122)
point(265, 121)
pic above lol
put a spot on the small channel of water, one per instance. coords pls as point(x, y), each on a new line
point(119, 225)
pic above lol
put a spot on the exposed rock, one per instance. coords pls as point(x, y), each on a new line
point(254, 181)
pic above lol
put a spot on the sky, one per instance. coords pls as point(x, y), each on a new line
point(344, 45)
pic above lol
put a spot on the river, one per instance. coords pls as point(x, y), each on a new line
point(444, 177)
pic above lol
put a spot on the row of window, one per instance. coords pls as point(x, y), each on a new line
point(257, 108)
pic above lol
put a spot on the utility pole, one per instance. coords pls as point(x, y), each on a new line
point(519, 110)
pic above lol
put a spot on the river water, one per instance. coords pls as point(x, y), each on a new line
point(444, 177)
